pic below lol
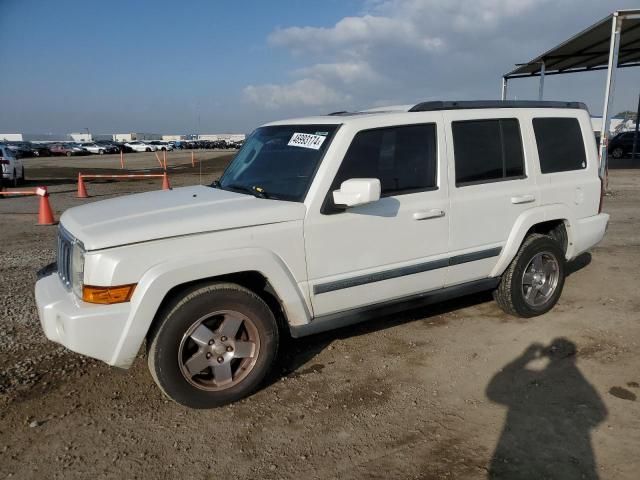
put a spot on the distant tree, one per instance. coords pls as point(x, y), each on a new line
point(627, 114)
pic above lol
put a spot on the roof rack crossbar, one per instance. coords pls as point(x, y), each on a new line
point(479, 104)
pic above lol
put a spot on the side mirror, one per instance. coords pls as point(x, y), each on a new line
point(357, 191)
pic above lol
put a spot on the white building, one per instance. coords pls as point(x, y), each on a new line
point(81, 137)
point(227, 137)
point(11, 137)
point(132, 137)
point(173, 138)
point(34, 137)
point(616, 125)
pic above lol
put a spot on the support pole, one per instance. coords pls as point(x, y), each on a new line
point(504, 88)
point(635, 135)
point(541, 86)
point(614, 48)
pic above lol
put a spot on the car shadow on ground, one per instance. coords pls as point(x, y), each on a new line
point(295, 353)
point(624, 162)
point(552, 409)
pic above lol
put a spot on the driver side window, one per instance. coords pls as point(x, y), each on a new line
point(403, 158)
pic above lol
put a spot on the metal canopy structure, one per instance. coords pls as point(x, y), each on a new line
point(612, 42)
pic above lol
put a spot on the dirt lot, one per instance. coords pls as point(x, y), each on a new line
point(451, 391)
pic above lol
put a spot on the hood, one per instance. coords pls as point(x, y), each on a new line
point(170, 213)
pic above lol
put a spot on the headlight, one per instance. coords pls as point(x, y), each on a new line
point(77, 268)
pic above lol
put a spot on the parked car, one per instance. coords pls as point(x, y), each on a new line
point(11, 167)
point(321, 222)
point(67, 149)
point(109, 147)
point(93, 148)
point(40, 150)
point(160, 145)
point(622, 145)
point(141, 147)
point(21, 149)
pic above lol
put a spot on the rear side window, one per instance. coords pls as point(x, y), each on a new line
point(560, 144)
point(487, 150)
point(403, 158)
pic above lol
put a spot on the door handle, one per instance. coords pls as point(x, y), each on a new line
point(523, 199)
point(427, 214)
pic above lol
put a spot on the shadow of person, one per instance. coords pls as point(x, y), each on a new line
point(551, 412)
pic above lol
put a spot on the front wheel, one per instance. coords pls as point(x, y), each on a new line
point(533, 282)
point(213, 346)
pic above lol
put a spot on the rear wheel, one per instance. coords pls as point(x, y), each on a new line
point(68, 154)
point(147, 150)
point(15, 182)
point(213, 346)
point(533, 282)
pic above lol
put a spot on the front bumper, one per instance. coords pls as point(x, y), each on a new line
point(85, 328)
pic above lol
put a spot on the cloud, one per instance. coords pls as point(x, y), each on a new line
point(307, 92)
point(411, 50)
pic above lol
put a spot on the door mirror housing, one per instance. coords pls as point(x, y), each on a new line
point(357, 191)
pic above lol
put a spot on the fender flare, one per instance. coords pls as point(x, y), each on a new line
point(156, 283)
point(523, 224)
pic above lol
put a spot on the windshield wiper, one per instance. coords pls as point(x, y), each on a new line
point(215, 184)
point(253, 190)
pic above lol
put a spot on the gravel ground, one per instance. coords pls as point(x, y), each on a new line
point(455, 390)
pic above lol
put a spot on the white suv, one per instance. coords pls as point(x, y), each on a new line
point(321, 222)
point(11, 168)
point(141, 146)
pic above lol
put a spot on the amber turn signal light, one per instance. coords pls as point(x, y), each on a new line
point(107, 295)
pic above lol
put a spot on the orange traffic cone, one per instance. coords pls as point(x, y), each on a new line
point(45, 214)
point(165, 182)
point(82, 191)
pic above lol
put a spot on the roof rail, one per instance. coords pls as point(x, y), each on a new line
point(341, 112)
point(478, 104)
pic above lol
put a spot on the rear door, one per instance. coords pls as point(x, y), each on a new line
point(490, 186)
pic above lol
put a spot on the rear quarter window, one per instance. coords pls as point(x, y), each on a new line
point(487, 151)
point(560, 144)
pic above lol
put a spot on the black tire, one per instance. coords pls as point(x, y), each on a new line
point(617, 152)
point(68, 154)
point(147, 150)
point(15, 182)
point(180, 315)
point(23, 179)
point(510, 294)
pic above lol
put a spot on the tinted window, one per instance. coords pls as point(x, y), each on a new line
point(403, 158)
point(560, 144)
point(487, 150)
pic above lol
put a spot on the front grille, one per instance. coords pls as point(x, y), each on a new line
point(65, 248)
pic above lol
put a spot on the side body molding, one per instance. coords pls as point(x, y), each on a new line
point(528, 219)
point(161, 278)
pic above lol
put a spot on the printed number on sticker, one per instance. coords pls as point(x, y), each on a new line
point(306, 140)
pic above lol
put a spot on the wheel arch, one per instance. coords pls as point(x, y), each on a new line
point(259, 270)
point(554, 220)
point(252, 280)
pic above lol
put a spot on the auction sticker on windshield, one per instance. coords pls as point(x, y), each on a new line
point(306, 140)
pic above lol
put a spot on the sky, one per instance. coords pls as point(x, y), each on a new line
point(222, 66)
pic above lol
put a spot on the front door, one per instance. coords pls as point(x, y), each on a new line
point(392, 248)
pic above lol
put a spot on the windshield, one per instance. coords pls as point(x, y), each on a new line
point(278, 161)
